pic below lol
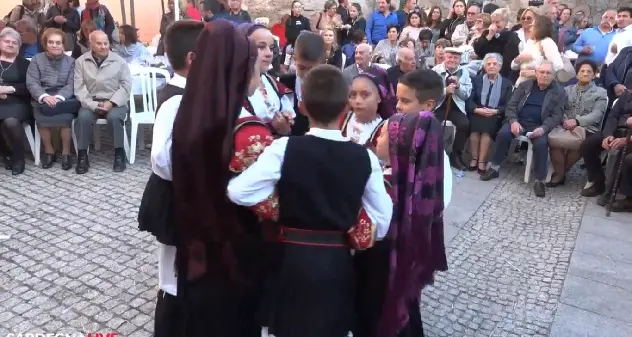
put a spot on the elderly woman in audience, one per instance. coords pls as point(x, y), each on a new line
point(584, 109)
point(439, 53)
point(386, 50)
point(62, 16)
point(83, 45)
point(14, 100)
point(50, 82)
point(130, 49)
point(539, 47)
point(30, 38)
point(103, 83)
point(486, 108)
point(498, 39)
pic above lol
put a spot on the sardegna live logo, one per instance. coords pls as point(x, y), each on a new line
point(90, 334)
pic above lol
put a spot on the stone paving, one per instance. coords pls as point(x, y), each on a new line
point(75, 261)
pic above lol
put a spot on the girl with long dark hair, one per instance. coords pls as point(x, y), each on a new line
point(213, 244)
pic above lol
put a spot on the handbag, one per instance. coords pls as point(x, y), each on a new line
point(567, 139)
point(69, 106)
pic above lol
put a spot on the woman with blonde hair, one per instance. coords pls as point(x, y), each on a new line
point(333, 52)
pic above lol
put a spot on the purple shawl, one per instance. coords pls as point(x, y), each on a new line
point(416, 231)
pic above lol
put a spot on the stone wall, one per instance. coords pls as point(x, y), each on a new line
point(274, 9)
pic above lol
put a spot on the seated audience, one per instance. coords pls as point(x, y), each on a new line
point(130, 49)
point(333, 53)
point(355, 38)
point(414, 25)
point(405, 64)
point(425, 47)
point(536, 107)
point(438, 54)
point(498, 39)
point(362, 62)
point(486, 107)
point(584, 109)
point(103, 83)
point(14, 100)
point(386, 49)
point(50, 80)
point(610, 138)
point(458, 89)
point(83, 44)
point(30, 38)
point(62, 16)
point(593, 42)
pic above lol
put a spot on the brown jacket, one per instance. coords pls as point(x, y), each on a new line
point(111, 81)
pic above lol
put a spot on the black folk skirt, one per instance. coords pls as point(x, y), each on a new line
point(155, 214)
point(372, 270)
point(310, 294)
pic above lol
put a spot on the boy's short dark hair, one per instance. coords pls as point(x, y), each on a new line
point(181, 39)
point(426, 83)
point(625, 9)
point(425, 35)
point(325, 93)
point(309, 47)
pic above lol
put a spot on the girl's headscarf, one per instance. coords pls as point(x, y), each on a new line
point(203, 146)
point(416, 231)
point(249, 28)
point(386, 107)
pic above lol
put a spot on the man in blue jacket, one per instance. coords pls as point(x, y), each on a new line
point(594, 41)
point(380, 19)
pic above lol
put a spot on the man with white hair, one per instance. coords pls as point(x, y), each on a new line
point(536, 108)
point(362, 62)
point(498, 39)
point(406, 63)
point(103, 83)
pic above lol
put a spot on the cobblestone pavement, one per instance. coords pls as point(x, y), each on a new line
point(507, 264)
point(75, 260)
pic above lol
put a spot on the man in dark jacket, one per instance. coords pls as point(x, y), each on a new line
point(536, 107)
point(405, 64)
point(611, 138)
point(498, 39)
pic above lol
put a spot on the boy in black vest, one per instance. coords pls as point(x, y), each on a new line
point(309, 52)
point(321, 180)
point(180, 43)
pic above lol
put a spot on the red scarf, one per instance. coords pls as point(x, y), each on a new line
point(85, 14)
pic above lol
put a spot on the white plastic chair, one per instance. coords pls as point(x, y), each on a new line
point(449, 124)
point(149, 85)
point(34, 141)
point(528, 165)
point(97, 136)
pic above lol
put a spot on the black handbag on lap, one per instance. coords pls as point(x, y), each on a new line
point(69, 106)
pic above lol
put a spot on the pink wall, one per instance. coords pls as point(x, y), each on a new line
point(148, 13)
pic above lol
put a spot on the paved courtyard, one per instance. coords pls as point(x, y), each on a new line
point(519, 265)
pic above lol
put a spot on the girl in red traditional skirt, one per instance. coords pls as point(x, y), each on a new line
point(217, 244)
point(322, 181)
point(372, 101)
point(272, 102)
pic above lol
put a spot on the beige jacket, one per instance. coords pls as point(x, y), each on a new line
point(111, 81)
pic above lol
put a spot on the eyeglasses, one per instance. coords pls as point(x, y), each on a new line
point(472, 13)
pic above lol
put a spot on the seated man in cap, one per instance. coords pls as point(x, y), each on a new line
point(458, 87)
